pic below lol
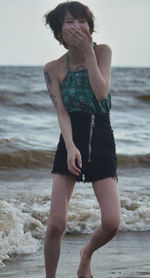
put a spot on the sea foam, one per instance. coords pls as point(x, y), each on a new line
point(14, 239)
point(23, 225)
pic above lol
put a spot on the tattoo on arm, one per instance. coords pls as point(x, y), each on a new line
point(52, 96)
point(47, 77)
point(53, 99)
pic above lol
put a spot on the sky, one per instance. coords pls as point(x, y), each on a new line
point(122, 24)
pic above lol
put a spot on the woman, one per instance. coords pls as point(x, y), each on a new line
point(78, 84)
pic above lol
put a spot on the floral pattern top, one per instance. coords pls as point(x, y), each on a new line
point(78, 95)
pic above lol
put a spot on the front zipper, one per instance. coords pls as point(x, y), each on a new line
point(92, 124)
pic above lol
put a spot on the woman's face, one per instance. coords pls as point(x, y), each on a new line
point(71, 22)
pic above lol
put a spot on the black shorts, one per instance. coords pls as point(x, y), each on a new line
point(96, 145)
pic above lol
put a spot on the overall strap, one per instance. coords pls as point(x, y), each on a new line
point(67, 61)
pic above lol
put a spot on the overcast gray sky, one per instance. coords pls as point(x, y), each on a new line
point(122, 24)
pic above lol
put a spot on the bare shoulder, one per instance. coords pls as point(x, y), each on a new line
point(103, 53)
point(50, 67)
point(103, 47)
point(54, 67)
point(102, 50)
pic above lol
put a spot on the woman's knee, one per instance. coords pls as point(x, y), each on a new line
point(56, 227)
point(111, 225)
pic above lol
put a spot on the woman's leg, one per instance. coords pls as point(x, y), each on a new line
point(61, 192)
point(106, 192)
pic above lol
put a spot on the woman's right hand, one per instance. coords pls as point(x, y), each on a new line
point(74, 160)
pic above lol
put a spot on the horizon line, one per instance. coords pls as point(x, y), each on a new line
point(42, 65)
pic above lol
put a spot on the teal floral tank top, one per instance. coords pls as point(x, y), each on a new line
point(78, 95)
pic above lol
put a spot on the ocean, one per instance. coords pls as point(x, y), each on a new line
point(29, 133)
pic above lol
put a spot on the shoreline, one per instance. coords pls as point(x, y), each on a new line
point(125, 256)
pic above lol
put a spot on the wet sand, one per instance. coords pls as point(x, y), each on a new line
point(126, 256)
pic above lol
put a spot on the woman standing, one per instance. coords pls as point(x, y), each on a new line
point(78, 83)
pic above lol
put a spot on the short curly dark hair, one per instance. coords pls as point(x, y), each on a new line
point(55, 18)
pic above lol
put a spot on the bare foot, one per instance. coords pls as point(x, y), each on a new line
point(84, 270)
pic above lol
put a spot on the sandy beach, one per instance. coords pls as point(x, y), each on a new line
point(126, 256)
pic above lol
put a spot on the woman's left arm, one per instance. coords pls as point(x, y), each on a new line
point(99, 70)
